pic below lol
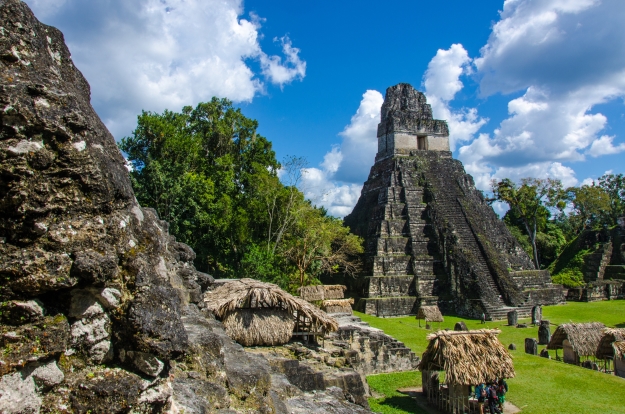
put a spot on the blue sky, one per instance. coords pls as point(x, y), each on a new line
point(529, 87)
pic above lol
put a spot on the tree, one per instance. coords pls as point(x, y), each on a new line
point(215, 180)
point(321, 244)
point(202, 170)
point(614, 186)
point(589, 205)
point(284, 203)
point(530, 202)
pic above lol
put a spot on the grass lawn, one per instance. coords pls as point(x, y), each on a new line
point(540, 386)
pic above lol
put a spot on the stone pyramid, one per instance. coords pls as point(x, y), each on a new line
point(430, 236)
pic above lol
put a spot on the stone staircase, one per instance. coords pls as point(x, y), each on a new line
point(448, 206)
point(402, 261)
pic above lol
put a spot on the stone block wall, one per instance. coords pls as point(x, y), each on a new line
point(597, 291)
point(389, 306)
point(386, 286)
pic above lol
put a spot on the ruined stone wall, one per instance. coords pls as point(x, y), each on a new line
point(99, 304)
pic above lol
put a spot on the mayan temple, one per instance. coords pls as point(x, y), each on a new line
point(430, 236)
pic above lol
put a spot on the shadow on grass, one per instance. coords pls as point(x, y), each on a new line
point(620, 325)
point(402, 403)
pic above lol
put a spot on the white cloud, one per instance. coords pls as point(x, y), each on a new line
point(555, 42)
point(553, 170)
point(442, 82)
point(337, 184)
point(604, 146)
point(567, 56)
point(158, 54)
point(360, 142)
point(588, 181)
point(281, 74)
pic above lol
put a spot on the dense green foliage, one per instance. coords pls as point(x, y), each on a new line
point(529, 203)
point(554, 217)
point(540, 386)
point(208, 173)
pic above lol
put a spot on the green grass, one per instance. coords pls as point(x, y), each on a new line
point(540, 385)
point(393, 401)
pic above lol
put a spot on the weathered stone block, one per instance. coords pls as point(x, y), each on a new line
point(16, 312)
point(537, 314)
point(107, 391)
point(155, 319)
point(32, 342)
point(544, 333)
point(460, 326)
point(531, 346)
point(198, 396)
point(18, 395)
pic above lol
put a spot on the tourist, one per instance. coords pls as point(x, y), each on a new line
point(483, 318)
point(481, 396)
point(502, 389)
point(493, 401)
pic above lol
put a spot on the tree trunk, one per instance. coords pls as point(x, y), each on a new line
point(534, 248)
point(533, 241)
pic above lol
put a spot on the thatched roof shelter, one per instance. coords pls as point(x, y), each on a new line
point(338, 305)
point(253, 327)
point(322, 292)
point(242, 305)
point(610, 335)
point(583, 337)
point(430, 314)
point(467, 357)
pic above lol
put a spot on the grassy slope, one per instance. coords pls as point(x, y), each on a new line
point(540, 386)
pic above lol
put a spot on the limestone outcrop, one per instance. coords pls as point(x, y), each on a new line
point(430, 236)
point(100, 305)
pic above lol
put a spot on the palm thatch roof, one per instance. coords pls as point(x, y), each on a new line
point(430, 314)
point(619, 349)
point(338, 305)
point(610, 335)
point(256, 327)
point(467, 357)
point(252, 294)
point(322, 292)
point(584, 337)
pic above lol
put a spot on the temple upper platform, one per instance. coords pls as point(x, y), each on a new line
point(407, 124)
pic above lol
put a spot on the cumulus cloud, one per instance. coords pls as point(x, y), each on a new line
point(279, 73)
point(442, 82)
point(566, 57)
point(158, 54)
point(337, 183)
point(604, 146)
point(555, 42)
